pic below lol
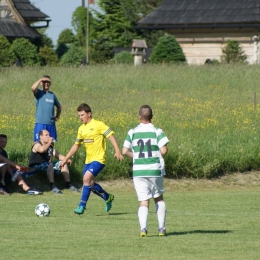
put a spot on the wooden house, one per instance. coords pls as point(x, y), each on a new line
point(202, 27)
point(18, 18)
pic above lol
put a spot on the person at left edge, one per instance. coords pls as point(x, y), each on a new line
point(46, 101)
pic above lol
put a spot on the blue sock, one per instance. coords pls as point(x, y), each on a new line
point(85, 195)
point(97, 189)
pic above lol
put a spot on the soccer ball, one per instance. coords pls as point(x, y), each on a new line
point(42, 210)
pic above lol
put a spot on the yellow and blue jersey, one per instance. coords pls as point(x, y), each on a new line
point(93, 135)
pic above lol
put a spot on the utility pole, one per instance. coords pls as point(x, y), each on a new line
point(83, 3)
point(87, 33)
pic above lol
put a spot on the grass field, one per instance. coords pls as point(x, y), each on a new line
point(205, 220)
point(212, 120)
point(208, 113)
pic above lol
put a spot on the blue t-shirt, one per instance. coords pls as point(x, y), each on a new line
point(45, 102)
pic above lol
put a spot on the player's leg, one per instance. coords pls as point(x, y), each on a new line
point(88, 179)
point(3, 171)
point(37, 129)
point(52, 130)
point(144, 194)
point(96, 168)
point(50, 176)
point(22, 184)
point(66, 175)
point(160, 205)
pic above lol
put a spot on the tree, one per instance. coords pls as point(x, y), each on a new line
point(124, 57)
point(25, 51)
point(233, 53)
point(135, 10)
point(102, 52)
point(168, 50)
point(66, 36)
point(112, 21)
point(7, 56)
point(79, 23)
point(45, 39)
point(73, 57)
point(48, 56)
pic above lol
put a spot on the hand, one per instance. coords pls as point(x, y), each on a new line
point(44, 79)
point(63, 162)
point(119, 156)
point(18, 167)
point(56, 118)
point(69, 162)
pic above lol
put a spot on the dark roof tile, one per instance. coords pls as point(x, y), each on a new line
point(196, 12)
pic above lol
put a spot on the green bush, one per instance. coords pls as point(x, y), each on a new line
point(61, 49)
point(167, 50)
point(124, 57)
point(233, 53)
point(25, 51)
point(7, 56)
point(102, 51)
point(66, 36)
point(48, 56)
point(73, 57)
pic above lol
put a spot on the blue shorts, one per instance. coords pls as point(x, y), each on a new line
point(44, 166)
point(94, 167)
point(50, 128)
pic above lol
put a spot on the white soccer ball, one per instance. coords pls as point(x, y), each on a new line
point(42, 210)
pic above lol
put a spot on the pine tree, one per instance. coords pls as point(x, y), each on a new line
point(233, 53)
point(167, 50)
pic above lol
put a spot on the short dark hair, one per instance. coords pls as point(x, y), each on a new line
point(84, 107)
point(146, 113)
point(3, 136)
point(46, 76)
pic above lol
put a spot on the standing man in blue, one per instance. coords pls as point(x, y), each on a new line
point(92, 133)
point(146, 145)
point(45, 103)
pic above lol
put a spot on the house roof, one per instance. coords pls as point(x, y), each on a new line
point(203, 14)
point(18, 17)
point(29, 11)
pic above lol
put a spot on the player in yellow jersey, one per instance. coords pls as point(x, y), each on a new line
point(92, 134)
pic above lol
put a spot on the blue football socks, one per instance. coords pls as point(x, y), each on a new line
point(85, 195)
point(97, 189)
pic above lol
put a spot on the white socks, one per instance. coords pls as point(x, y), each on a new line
point(161, 213)
point(143, 216)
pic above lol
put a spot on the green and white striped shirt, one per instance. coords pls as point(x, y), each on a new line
point(145, 142)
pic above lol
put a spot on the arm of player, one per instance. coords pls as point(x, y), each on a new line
point(35, 85)
point(163, 150)
point(5, 160)
point(58, 113)
point(74, 148)
point(41, 148)
point(117, 154)
point(60, 157)
point(127, 152)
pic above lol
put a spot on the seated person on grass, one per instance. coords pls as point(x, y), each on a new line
point(6, 173)
point(41, 159)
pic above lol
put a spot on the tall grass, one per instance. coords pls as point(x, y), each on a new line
point(207, 112)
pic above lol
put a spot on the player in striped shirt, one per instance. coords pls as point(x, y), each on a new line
point(146, 145)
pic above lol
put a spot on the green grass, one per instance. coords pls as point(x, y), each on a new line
point(217, 224)
point(207, 112)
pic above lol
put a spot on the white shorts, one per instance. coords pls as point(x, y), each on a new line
point(148, 187)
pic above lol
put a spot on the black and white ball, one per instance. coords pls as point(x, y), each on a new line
point(42, 210)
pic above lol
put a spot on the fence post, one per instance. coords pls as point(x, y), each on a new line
point(255, 100)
